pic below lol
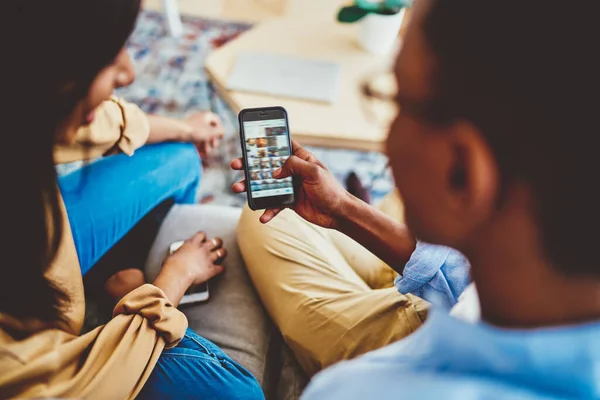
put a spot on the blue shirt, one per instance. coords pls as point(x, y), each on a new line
point(435, 273)
point(451, 359)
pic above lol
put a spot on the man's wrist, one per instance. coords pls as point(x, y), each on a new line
point(386, 238)
point(347, 208)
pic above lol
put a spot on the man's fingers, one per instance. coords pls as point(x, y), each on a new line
point(239, 187)
point(306, 155)
point(295, 166)
point(312, 159)
point(268, 215)
point(237, 164)
point(296, 146)
point(300, 151)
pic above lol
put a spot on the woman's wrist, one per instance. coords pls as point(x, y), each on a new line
point(164, 129)
point(174, 282)
point(186, 132)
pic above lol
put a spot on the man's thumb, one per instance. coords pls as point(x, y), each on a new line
point(295, 166)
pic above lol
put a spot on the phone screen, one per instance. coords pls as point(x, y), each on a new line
point(267, 148)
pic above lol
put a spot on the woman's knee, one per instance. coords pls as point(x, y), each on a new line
point(189, 375)
point(176, 166)
point(197, 368)
point(182, 157)
point(240, 384)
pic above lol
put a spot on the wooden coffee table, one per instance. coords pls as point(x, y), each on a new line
point(343, 124)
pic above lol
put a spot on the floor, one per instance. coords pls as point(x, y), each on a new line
point(171, 81)
point(252, 10)
point(234, 10)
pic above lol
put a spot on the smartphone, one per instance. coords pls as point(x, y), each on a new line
point(266, 145)
point(196, 293)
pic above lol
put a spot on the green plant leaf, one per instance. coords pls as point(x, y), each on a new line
point(369, 5)
point(398, 3)
point(383, 5)
point(351, 14)
point(356, 12)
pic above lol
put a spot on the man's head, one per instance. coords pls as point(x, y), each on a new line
point(498, 122)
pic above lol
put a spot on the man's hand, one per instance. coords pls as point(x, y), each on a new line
point(320, 199)
point(206, 131)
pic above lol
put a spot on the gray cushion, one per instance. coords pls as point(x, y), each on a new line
point(291, 379)
point(233, 318)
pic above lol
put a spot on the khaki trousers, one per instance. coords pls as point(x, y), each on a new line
point(330, 297)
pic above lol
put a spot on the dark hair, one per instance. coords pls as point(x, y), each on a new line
point(527, 75)
point(52, 51)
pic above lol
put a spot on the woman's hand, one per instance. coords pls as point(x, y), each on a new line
point(203, 128)
point(206, 131)
point(198, 260)
point(320, 199)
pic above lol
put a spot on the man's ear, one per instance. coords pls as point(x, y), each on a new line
point(473, 179)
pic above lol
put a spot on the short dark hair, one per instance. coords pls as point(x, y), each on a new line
point(53, 51)
point(527, 75)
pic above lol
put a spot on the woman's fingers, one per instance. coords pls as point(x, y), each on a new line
point(216, 251)
point(218, 256)
point(198, 238)
point(214, 243)
point(217, 125)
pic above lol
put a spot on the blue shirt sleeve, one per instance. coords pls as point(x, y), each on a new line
point(435, 273)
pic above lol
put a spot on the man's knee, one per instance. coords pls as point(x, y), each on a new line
point(249, 221)
point(249, 232)
point(252, 234)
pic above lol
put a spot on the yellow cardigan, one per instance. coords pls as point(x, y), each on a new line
point(115, 360)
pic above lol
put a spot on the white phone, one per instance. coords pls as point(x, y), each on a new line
point(196, 293)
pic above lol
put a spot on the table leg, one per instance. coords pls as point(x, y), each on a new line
point(171, 9)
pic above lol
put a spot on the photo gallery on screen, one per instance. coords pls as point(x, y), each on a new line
point(265, 155)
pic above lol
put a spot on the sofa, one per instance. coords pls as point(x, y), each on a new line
point(234, 317)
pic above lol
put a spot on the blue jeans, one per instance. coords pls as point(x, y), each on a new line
point(106, 199)
point(197, 369)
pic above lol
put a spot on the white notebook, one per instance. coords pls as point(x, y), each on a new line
point(285, 76)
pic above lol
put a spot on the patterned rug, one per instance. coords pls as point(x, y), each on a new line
point(171, 81)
